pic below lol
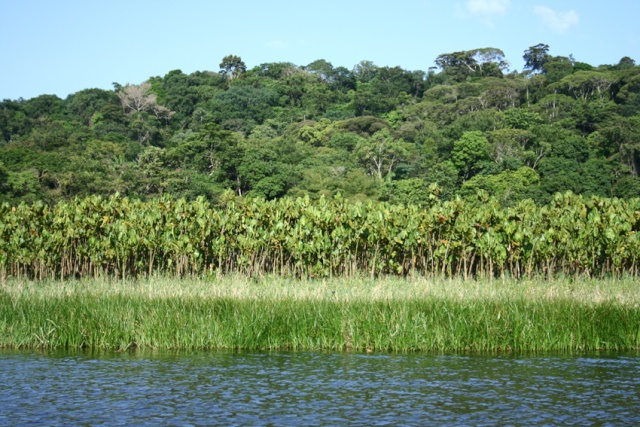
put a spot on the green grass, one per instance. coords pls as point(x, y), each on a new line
point(388, 314)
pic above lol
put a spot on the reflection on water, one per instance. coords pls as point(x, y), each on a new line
point(316, 389)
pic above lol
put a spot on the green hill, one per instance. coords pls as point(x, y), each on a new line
point(368, 133)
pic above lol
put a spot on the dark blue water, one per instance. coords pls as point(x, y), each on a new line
point(316, 389)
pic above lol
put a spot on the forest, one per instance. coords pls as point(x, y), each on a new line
point(369, 133)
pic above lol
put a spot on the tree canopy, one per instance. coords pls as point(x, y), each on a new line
point(466, 125)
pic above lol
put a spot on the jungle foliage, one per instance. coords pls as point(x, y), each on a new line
point(368, 133)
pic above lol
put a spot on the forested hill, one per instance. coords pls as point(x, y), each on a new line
point(370, 132)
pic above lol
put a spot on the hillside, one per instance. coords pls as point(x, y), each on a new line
point(370, 132)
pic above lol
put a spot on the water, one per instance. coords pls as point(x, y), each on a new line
point(316, 389)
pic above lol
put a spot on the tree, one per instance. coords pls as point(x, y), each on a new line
point(627, 187)
point(321, 68)
point(263, 174)
point(151, 168)
point(50, 134)
point(247, 104)
point(490, 59)
point(365, 71)
point(201, 150)
point(596, 177)
point(445, 176)
point(13, 119)
point(381, 153)
point(535, 57)
point(623, 136)
point(4, 177)
point(508, 186)
point(232, 67)
point(625, 63)
point(468, 153)
point(557, 67)
point(367, 101)
point(344, 141)
point(413, 191)
point(363, 126)
point(520, 118)
point(342, 80)
point(49, 106)
point(500, 93)
point(212, 151)
point(475, 62)
point(85, 103)
point(559, 174)
point(138, 98)
point(19, 186)
point(509, 145)
point(585, 85)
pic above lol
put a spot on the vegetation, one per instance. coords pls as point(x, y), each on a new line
point(360, 315)
point(368, 133)
point(573, 235)
point(467, 171)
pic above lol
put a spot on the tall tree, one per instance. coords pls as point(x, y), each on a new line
point(535, 57)
point(381, 153)
point(469, 152)
point(321, 68)
point(139, 98)
point(475, 62)
point(365, 71)
point(232, 66)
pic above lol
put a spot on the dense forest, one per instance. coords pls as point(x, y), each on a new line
point(368, 133)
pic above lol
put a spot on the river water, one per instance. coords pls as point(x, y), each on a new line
point(316, 389)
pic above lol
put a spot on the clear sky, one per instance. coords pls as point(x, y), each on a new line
point(63, 46)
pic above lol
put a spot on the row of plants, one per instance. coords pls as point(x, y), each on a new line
point(121, 237)
point(391, 314)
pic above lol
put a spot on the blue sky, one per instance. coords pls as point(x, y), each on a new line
point(61, 47)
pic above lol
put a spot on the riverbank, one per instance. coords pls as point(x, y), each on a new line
point(387, 314)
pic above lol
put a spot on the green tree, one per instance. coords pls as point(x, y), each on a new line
point(536, 57)
point(508, 186)
point(85, 103)
point(509, 145)
point(469, 152)
point(622, 140)
point(556, 68)
point(243, 107)
point(263, 174)
point(585, 85)
point(152, 174)
point(13, 120)
point(23, 186)
point(45, 106)
point(413, 191)
point(321, 68)
point(232, 67)
point(445, 176)
point(560, 174)
point(459, 66)
point(381, 153)
point(365, 71)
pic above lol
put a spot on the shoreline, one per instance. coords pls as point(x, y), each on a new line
point(387, 314)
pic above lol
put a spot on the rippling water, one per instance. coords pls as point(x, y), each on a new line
point(316, 389)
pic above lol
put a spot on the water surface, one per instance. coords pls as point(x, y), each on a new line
point(316, 389)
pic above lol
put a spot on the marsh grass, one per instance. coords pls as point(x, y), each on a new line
point(275, 313)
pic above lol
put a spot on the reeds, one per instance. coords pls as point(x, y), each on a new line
point(387, 314)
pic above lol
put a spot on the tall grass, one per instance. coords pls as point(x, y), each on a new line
point(389, 314)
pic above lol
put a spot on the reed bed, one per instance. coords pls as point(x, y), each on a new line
point(349, 314)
